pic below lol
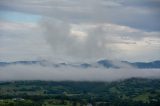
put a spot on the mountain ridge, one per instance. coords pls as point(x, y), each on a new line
point(101, 63)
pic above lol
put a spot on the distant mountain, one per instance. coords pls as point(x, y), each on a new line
point(107, 64)
point(41, 63)
point(154, 64)
point(20, 62)
point(100, 63)
point(141, 65)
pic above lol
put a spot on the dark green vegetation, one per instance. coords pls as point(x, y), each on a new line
point(130, 92)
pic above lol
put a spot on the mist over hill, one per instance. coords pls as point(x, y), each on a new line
point(103, 70)
point(101, 63)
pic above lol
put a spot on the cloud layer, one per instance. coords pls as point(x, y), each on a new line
point(95, 41)
point(142, 14)
point(75, 30)
point(22, 72)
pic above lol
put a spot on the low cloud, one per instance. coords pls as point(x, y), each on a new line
point(36, 72)
point(92, 41)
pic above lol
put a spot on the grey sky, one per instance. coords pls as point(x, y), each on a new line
point(80, 30)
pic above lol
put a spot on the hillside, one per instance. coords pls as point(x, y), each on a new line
point(130, 92)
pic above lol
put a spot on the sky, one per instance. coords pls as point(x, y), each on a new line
point(79, 30)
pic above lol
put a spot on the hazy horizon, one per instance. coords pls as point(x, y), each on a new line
point(78, 31)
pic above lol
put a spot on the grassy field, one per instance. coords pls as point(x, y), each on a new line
point(67, 93)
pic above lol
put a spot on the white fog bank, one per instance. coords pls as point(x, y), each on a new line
point(35, 72)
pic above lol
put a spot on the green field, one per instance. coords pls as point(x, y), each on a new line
point(130, 92)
